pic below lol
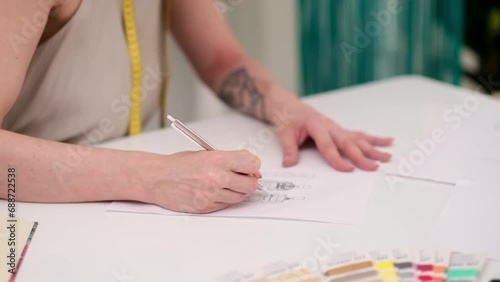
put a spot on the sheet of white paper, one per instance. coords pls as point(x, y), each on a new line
point(470, 151)
point(469, 223)
point(311, 191)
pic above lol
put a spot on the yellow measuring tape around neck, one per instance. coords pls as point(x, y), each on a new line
point(135, 126)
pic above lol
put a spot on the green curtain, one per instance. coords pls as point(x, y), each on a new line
point(346, 42)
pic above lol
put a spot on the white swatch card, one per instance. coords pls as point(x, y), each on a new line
point(470, 223)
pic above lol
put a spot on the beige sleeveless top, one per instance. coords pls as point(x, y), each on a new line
point(77, 88)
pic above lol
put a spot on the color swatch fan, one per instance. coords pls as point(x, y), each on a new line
point(15, 237)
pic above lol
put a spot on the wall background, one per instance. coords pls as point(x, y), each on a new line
point(268, 31)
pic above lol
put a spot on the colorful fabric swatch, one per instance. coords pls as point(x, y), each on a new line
point(290, 272)
point(351, 266)
point(424, 264)
point(441, 263)
point(397, 265)
point(404, 263)
point(465, 267)
point(383, 263)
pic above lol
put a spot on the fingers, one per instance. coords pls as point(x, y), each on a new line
point(226, 196)
point(290, 147)
point(242, 183)
point(199, 202)
point(370, 151)
point(241, 161)
point(236, 182)
point(354, 153)
point(327, 148)
point(377, 141)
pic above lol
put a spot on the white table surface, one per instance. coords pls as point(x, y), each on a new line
point(82, 242)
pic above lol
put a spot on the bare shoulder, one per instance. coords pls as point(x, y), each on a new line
point(24, 25)
point(48, 16)
point(59, 13)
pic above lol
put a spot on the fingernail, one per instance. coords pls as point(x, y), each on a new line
point(258, 176)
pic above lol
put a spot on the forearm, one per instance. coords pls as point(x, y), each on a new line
point(222, 64)
point(48, 171)
point(247, 87)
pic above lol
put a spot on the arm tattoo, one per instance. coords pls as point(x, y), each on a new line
point(240, 92)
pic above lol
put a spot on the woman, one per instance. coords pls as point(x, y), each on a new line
point(66, 76)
